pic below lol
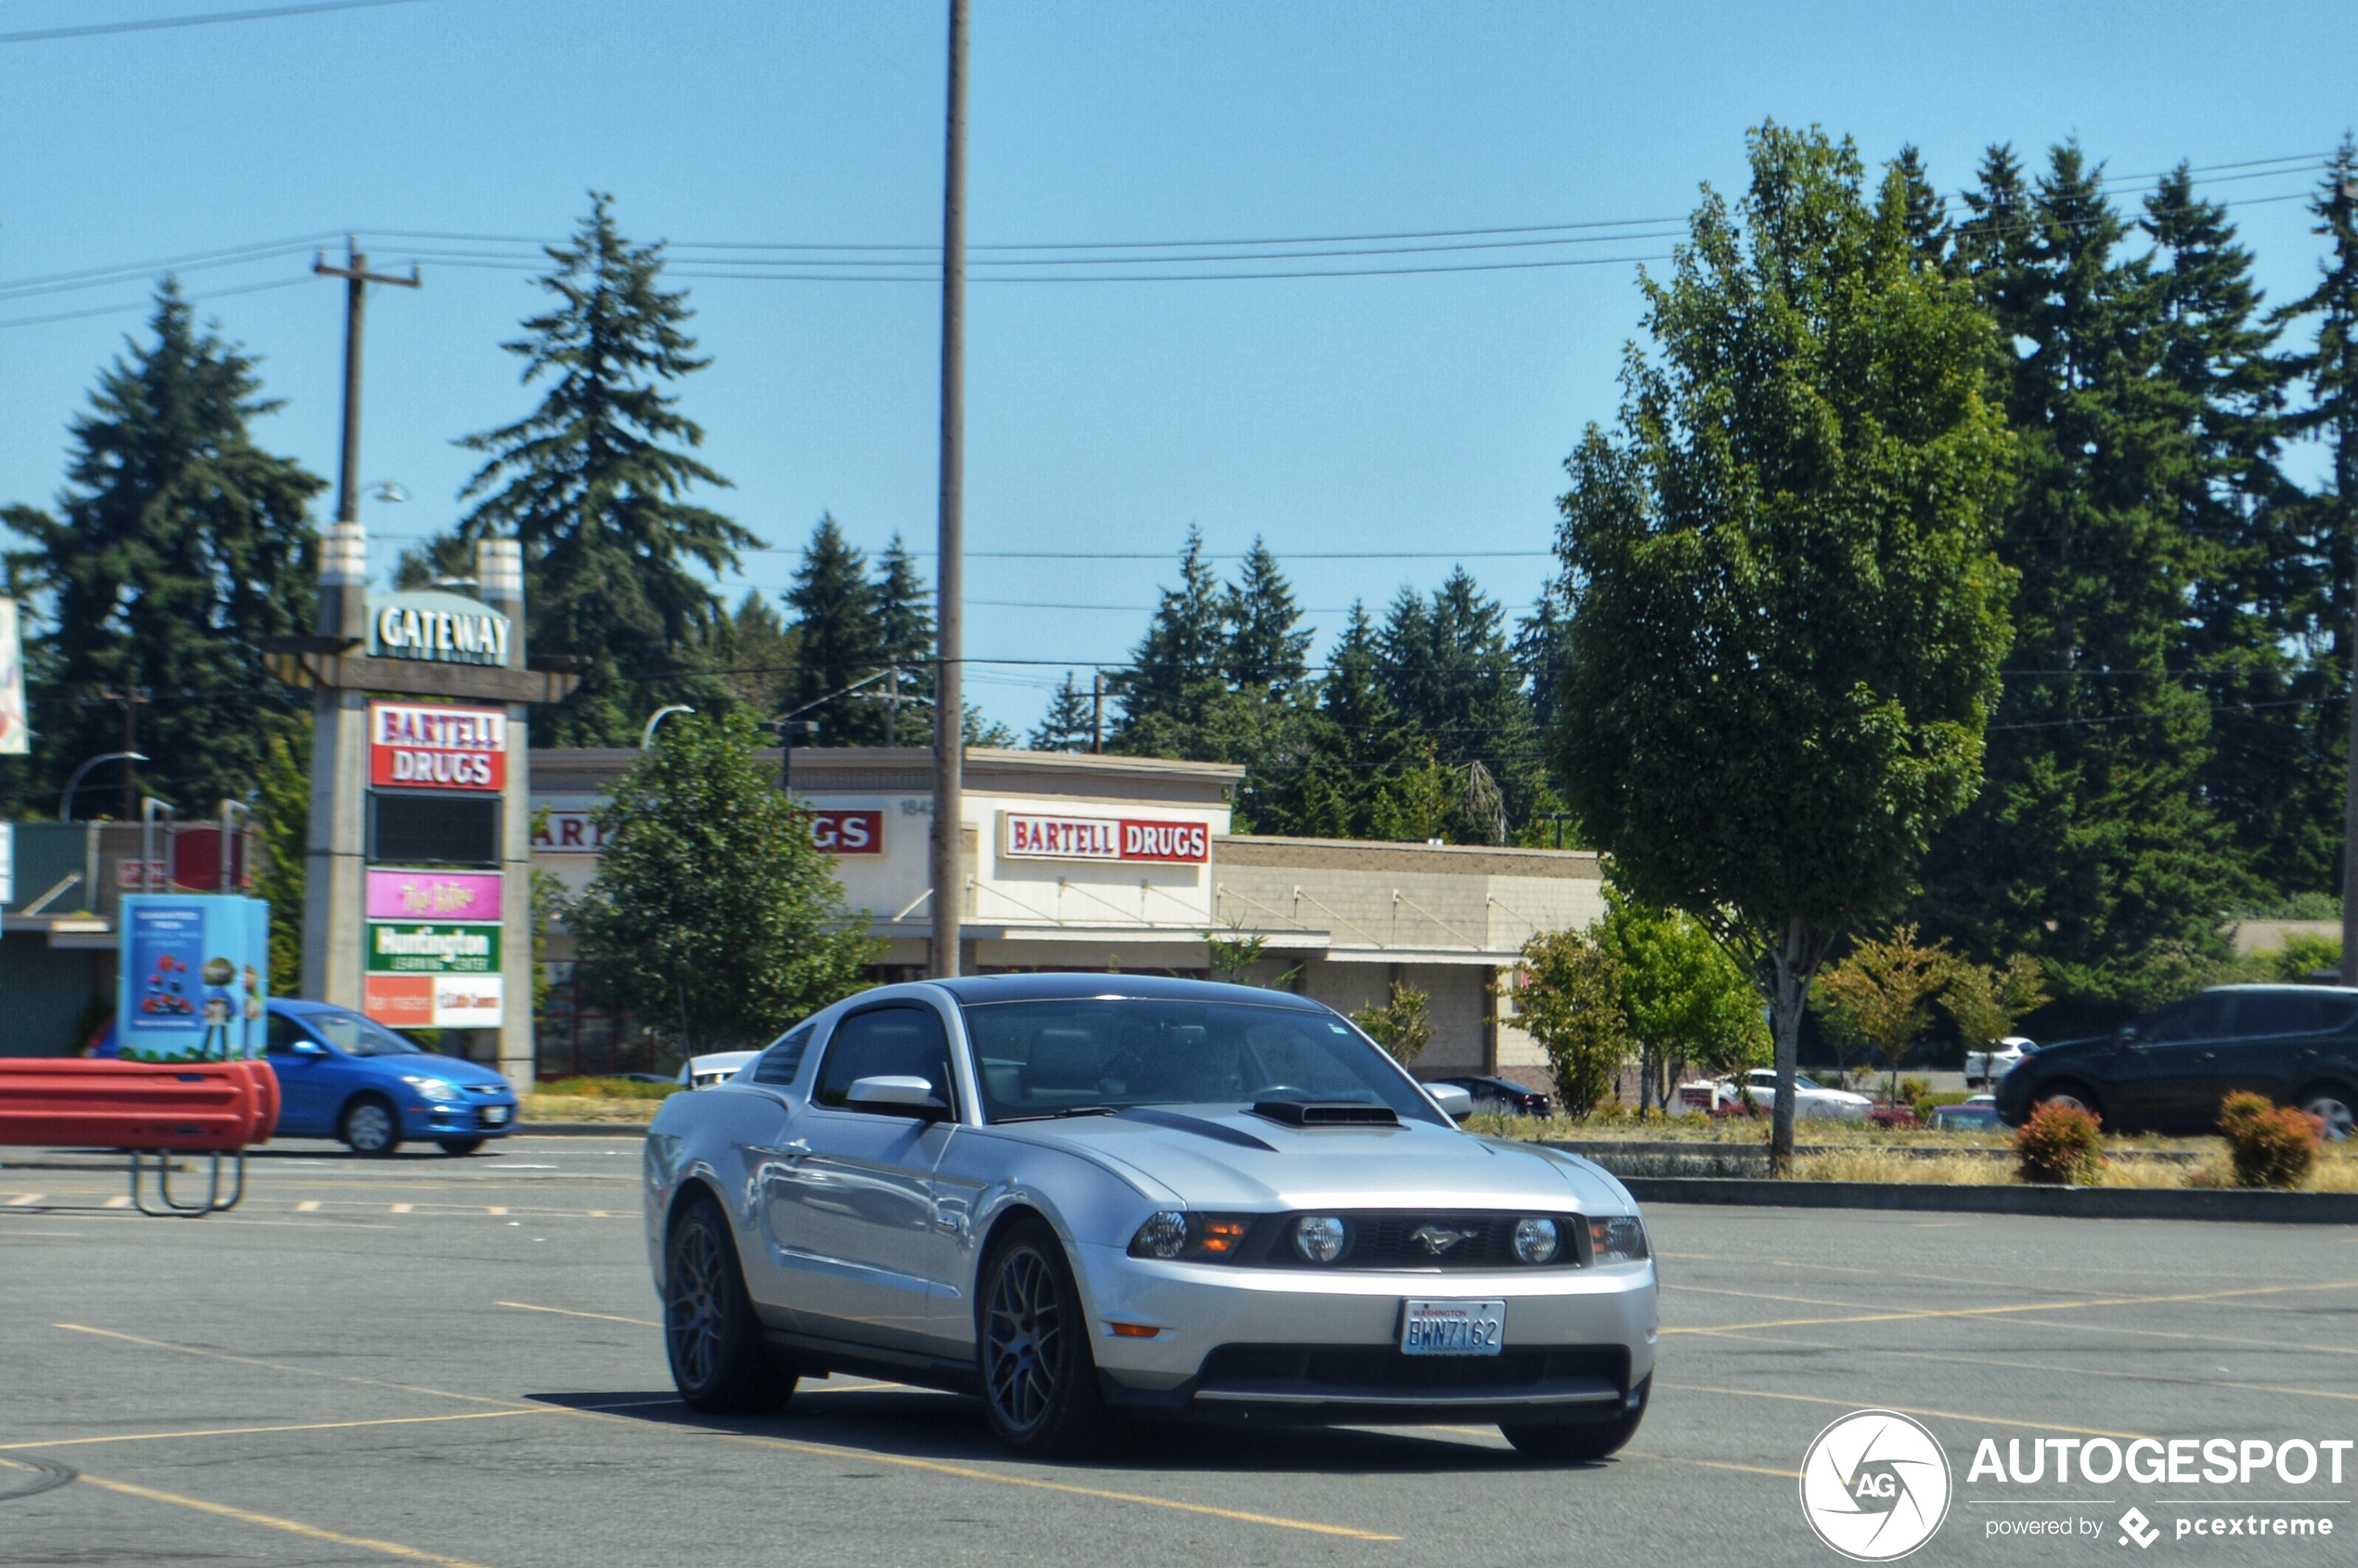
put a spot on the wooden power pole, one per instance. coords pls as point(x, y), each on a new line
point(948, 696)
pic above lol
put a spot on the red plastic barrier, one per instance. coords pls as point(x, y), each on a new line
point(197, 1108)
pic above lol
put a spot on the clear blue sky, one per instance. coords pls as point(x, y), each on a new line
point(1354, 416)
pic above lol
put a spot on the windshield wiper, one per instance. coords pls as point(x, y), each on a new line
point(1059, 1115)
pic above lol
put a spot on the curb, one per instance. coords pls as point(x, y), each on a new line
point(2083, 1202)
point(581, 1129)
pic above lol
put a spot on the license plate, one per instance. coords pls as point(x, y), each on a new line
point(495, 1115)
point(1452, 1328)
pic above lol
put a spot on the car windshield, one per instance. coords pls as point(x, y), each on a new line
point(1058, 1056)
point(356, 1036)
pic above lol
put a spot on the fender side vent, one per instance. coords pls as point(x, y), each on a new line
point(1326, 1113)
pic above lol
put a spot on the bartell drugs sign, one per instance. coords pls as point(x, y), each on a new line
point(1024, 836)
point(429, 745)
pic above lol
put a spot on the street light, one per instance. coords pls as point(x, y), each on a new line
point(65, 801)
point(661, 714)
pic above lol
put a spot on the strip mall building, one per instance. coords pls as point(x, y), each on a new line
point(1126, 863)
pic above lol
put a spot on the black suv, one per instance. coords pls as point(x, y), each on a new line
point(2167, 1072)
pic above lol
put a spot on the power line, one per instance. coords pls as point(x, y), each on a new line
point(202, 18)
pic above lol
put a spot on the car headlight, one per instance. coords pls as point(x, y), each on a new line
point(1318, 1238)
point(1170, 1233)
point(1535, 1240)
point(431, 1088)
point(1617, 1239)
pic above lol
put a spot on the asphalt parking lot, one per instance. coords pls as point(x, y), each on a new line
point(456, 1362)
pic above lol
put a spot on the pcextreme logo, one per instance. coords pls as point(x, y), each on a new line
point(1874, 1486)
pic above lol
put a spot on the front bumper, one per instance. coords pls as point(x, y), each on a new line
point(1293, 1345)
point(465, 1119)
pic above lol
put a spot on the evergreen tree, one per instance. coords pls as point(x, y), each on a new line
point(1925, 211)
point(2308, 850)
point(2090, 844)
point(1354, 772)
point(1448, 670)
point(1069, 723)
point(904, 621)
point(753, 651)
point(1264, 650)
point(841, 634)
point(594, 484)
point(1179, 665)
point(178, 545)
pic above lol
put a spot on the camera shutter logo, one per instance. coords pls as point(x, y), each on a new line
point(1874, 1486)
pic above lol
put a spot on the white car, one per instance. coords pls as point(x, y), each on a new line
point(1085, 1198)
point(703, 1072)
point(1987, 1066)
point(1810, 1100)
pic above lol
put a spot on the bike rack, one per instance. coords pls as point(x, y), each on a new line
point(173, 1208)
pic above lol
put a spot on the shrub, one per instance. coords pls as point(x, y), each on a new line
point(2270, 1146)
point(2058, 1148)
point(1917, 1094)
point(1895, 1116)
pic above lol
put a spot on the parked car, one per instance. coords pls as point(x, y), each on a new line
point(2167, 1072)
point(1083, 1197)
point(1977, 1113)
point(1987, 1066)
point(1809, 1098)
point(1501, 1096)
point(718, 1067)
point(643, 1078)
point(342, 1075)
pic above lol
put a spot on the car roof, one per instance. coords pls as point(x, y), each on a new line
point(296, 1005)
point(2293, 988)
point(972, 990)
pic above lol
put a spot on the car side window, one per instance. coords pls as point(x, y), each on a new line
point(2198, 1017)
point(886, 1042)
point(2270, 1013)
point(779, 1064)
point(283, 1034)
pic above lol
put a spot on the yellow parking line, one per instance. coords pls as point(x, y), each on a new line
point(24, 1200)
point(251, 1432)
point(2023, 1306)
point(567, 1311)
point(819, 1450)
point(826, 1451)
point(309, 1206)
point(402, 1208)
point(496, 1208)
point(293, 1527)
point(1903, 1410)
point(1712, 1464)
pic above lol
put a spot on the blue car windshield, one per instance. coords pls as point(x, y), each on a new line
point(1047, 1057)
point(356, 1036)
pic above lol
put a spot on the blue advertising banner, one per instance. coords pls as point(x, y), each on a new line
point(194, 977)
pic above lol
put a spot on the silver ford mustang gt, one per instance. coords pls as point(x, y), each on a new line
point(1088, 1196)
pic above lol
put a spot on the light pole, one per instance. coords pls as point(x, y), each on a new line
point(65, 801)
point(661, 714)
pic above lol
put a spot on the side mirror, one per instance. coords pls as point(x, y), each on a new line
point(2125, 1038)
point(307, 1048)
point(911, 1097)
point(1455, 1102)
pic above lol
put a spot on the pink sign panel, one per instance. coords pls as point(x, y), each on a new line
point(439, 895)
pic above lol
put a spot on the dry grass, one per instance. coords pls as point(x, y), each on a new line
point(1866, 1164)
point(588, 1108)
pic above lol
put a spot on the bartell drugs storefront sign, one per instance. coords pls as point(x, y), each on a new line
point(424, 746)
point(1026, 837)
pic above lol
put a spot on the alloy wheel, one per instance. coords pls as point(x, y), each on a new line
point(368, 1128)
point(1023, 1330)
point(2334, 1111)
point(693, 1315)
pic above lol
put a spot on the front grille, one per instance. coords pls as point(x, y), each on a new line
point(1374, 1370)
point(1390, 1240)
point(483, 1088)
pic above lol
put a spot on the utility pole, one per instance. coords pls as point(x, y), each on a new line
point(1098, 713)
point(949, 695)
point(356, 276)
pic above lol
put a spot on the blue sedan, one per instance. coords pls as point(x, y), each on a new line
point(342, 1075)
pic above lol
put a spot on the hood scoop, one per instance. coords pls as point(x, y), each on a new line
point(1326, 1113)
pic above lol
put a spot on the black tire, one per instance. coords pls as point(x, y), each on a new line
point(459, 1147)
point(1031, 1347)
point(1581, 1441)
point(710, 1332)
point(2070, 1092)
point(370, 1127)
point(2332, 1104)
